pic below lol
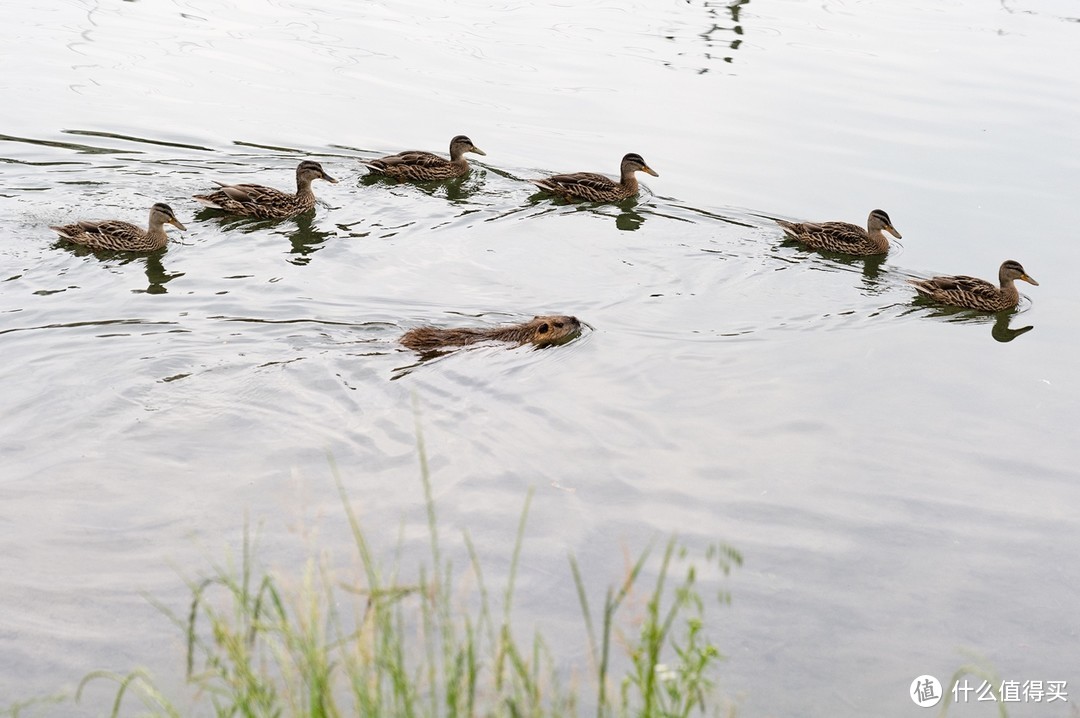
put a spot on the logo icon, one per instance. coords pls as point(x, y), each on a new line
point(925, 691)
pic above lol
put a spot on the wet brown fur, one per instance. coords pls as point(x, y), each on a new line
point(539, 331)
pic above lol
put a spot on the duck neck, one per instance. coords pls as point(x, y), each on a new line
point(155, 233)
point(303, 189)
point(879, 239)
point(1009, 291)
point(629, 181)
point(457, 156)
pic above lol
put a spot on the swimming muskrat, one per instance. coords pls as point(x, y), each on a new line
point(538, 331)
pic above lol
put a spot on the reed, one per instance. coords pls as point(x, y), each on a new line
point(380, 645)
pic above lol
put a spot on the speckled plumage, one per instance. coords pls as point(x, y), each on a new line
point(112, 234)
point(844, 237)
point(974, 293)
point(420, 165)
point(254, 200)
point(594, 187)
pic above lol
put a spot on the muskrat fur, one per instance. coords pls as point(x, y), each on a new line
point(538, 331)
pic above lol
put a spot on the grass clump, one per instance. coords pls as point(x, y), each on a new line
point(393, 647)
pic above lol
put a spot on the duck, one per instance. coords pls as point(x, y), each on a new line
point(420, 165)
point(254, 200)
point(973, 293)
point(112, 234)
point(844, 237)
point(594, 187)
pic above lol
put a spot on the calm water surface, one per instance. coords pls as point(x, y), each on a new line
point(901, 480)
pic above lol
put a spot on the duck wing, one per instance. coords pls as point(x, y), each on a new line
point(253, 193)
point(410, 158)
point(959, 284)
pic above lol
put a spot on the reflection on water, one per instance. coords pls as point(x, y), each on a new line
point(629, 214)
point(110, 323)
point(153, 266)
point(131, 138)
point(461, 190)
point(156, 274)
point(1001, 328)
point(628, 220)
point(870, 266)
point(723, 36)
point(304, 233)
point(236, 223)
point(422, 358)
point(306, 238)
point(1010, 7)
point(733, 9)
point(83, 149)
point(871, 271)
point(456, 189)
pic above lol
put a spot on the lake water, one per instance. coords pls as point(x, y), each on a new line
point(902, 481)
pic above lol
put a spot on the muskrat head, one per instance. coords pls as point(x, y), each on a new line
point(549, 330)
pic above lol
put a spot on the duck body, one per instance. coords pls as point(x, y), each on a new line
point(254, 200)
point(844, 237)
point(115, 235)
point(593, 187)
point(974, 293)
point(419, 165)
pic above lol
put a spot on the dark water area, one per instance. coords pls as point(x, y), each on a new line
point(900, 478)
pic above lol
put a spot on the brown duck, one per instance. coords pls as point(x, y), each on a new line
point(419, 165)
point(255, 200)
point(844, 237)
point(112, 234)
point(594, 187)
point(973, 293)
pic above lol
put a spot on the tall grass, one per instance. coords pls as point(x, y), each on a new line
point(384, 645)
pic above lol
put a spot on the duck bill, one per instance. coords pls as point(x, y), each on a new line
point(176, 223)
point(1029, 280)
point(478, 151)
point(649, 170)
point(892, 230)
point(328, 178)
